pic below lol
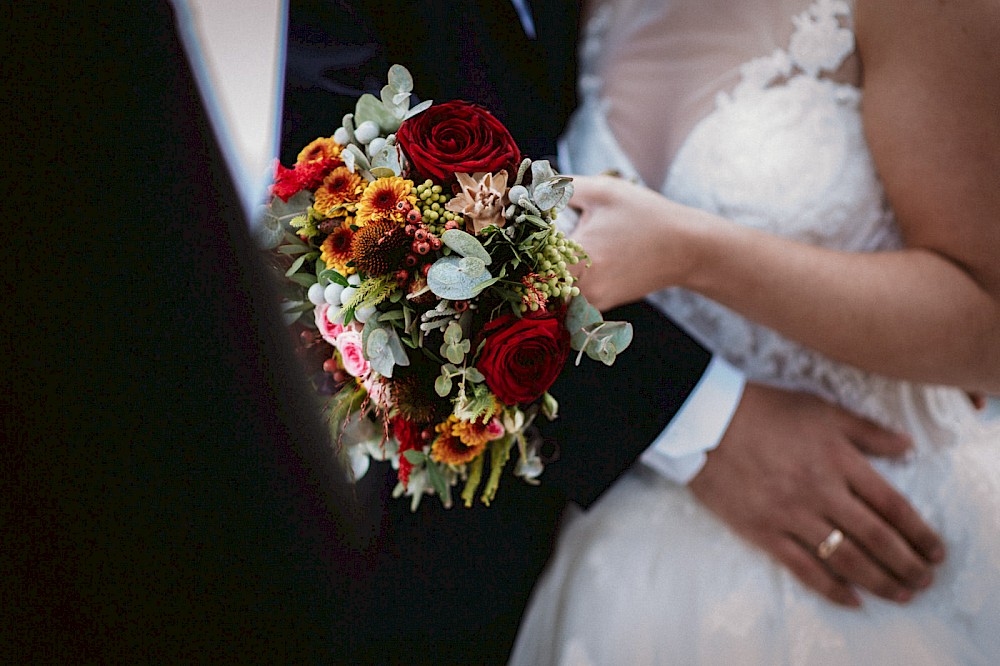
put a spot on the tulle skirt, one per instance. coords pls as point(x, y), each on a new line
point(648, 576)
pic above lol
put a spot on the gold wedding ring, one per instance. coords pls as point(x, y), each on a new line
point(825, 549)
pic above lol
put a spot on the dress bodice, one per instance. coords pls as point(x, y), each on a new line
point(751, 110)
point(776, 142)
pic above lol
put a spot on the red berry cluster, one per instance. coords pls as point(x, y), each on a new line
point(418, 260)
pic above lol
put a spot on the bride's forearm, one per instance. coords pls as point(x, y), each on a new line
point(912, 313)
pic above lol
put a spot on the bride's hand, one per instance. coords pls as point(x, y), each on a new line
point(790, 470)
point(633, 236)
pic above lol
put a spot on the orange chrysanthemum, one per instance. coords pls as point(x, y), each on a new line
point(336, 249)
point(319, 149)
point(339, 188)
point(380, 198)
point(449, 448)
point(480, 431)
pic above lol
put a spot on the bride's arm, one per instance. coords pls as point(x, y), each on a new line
point(930, 312)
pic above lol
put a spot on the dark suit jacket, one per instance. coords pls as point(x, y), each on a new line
point(168, 496)
point(466, 574)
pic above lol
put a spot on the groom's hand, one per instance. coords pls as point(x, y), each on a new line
point(791, 469)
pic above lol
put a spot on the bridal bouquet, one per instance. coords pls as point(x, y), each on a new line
point(431, 290)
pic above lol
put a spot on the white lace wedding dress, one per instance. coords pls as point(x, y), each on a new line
point(750, 109)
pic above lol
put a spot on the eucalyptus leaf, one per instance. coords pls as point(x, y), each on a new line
point(456, 352)
point(297, 204)
point(473, 375)
point(453, 334)
point(466, 245)
point(377, 352)
point(400, 78)
point(371, 108)
point(423, 106)
point(388, 157)
point(383, 348)
point(442, 386)
point(267, 233)
point(355, 158)
point(581, 313)
point(456, 278)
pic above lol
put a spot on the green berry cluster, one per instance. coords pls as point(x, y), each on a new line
point(431, 199)
point(552, 278)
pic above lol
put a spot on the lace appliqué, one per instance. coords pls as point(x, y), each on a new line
point(820, 44)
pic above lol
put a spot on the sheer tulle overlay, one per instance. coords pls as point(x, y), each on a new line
point(751, 110)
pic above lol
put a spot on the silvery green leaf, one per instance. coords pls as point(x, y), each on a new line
point(348, 124)
point(296, 205)
point(371, 108)
point(456, 278)
point(466, 245)
point(546, 197)
point(442, 386)
point(355, 159)
point(375, 145)
point(579, 314)
point(453, 334)
point(553, 194)
point(400, 78)
point(389, 97)
point(399, 98)
point(342, 136)
point(473, 375)
point(455, 353)
point(389, 156)
point(607, 340)
point(423, 106)
point(268, 231)
point(541, 170)
point(378, 353)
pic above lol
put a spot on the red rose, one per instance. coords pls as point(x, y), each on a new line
point(521, 358)
point(457, 137)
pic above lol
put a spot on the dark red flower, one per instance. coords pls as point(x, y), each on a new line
point(457, 137)
point(521, 358)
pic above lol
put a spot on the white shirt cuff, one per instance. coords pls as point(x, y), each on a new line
point(679, 452)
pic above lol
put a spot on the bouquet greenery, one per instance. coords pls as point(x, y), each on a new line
point(432, 290)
